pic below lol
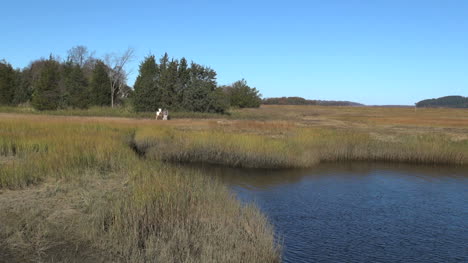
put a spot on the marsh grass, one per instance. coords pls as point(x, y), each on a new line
point(172, 217)
point(118, 111)
point(296, 147)
point(74, 188)
point(55, 149)
point(108, 204)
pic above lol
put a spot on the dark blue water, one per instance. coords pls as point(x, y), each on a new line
point(360, 212)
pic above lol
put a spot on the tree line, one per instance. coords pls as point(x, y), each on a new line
point(177, 85)
point(302, 101)
point(81, 81)
point(448, 102)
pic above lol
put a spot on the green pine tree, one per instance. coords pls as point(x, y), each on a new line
point(46, 94)
point(163, 82)
point(23, 87)
point(77, 87)
point(146, 96)
point(7, 83)
point(183, 79)
point(198, 94)
point(170, 91)
point(99, 86)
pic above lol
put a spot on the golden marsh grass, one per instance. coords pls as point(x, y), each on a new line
point(73, 189)
point(76, 183)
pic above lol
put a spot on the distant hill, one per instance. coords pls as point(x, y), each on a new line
point(391, 106)
point(302, 101)
point(446, 102)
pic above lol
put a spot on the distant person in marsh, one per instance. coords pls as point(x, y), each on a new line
point(162, 115)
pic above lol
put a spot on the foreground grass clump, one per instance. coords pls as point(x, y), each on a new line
point(172, 217)
point(35, 149)
point(73, 189)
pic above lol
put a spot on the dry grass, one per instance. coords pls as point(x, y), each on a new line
point(180, 217)
point(306, 135)
point(365, 114)
point(72, 188)
point(299, 147)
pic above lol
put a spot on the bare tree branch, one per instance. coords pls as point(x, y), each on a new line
point(79, 55)
point(117, 73)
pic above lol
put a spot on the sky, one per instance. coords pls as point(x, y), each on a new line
point(393, 52)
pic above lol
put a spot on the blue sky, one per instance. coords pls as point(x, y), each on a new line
point(373, 52)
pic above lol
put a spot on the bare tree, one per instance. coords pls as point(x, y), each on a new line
point(117, 74)
point(79, 55)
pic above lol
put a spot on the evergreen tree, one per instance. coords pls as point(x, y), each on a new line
point(46, 94)
point(170, 95)
point(7, 83)
point(183, 79)
point(147, 96)
point(201, 84)
point(77, 87)
point(24, 86)
point(99, 86)
point(82, 81)
point(164, 62)
point(23, 90)
point(163, 82)
point(64, 83)
point(218, 101)
point(243, 96)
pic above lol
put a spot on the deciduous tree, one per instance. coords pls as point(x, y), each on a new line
point(79, 55)
point(116, 70)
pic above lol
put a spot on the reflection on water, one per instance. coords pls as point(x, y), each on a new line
point(361, 212)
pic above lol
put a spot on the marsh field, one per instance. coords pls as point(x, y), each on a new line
point(91, 188)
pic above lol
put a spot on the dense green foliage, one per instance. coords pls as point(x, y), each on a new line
point(146, 94)
point(243, 96)
point(99, 85)
point(82, 81)
point(78, 82)
point(288, 101)
point(302, 101)
point(46, 95)
point(8, 83)
point(23, 90)
point(76, 87)
point(448, 102)
point(172, 84)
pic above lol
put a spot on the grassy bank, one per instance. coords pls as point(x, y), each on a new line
point(297, 147)
point(73, 189)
